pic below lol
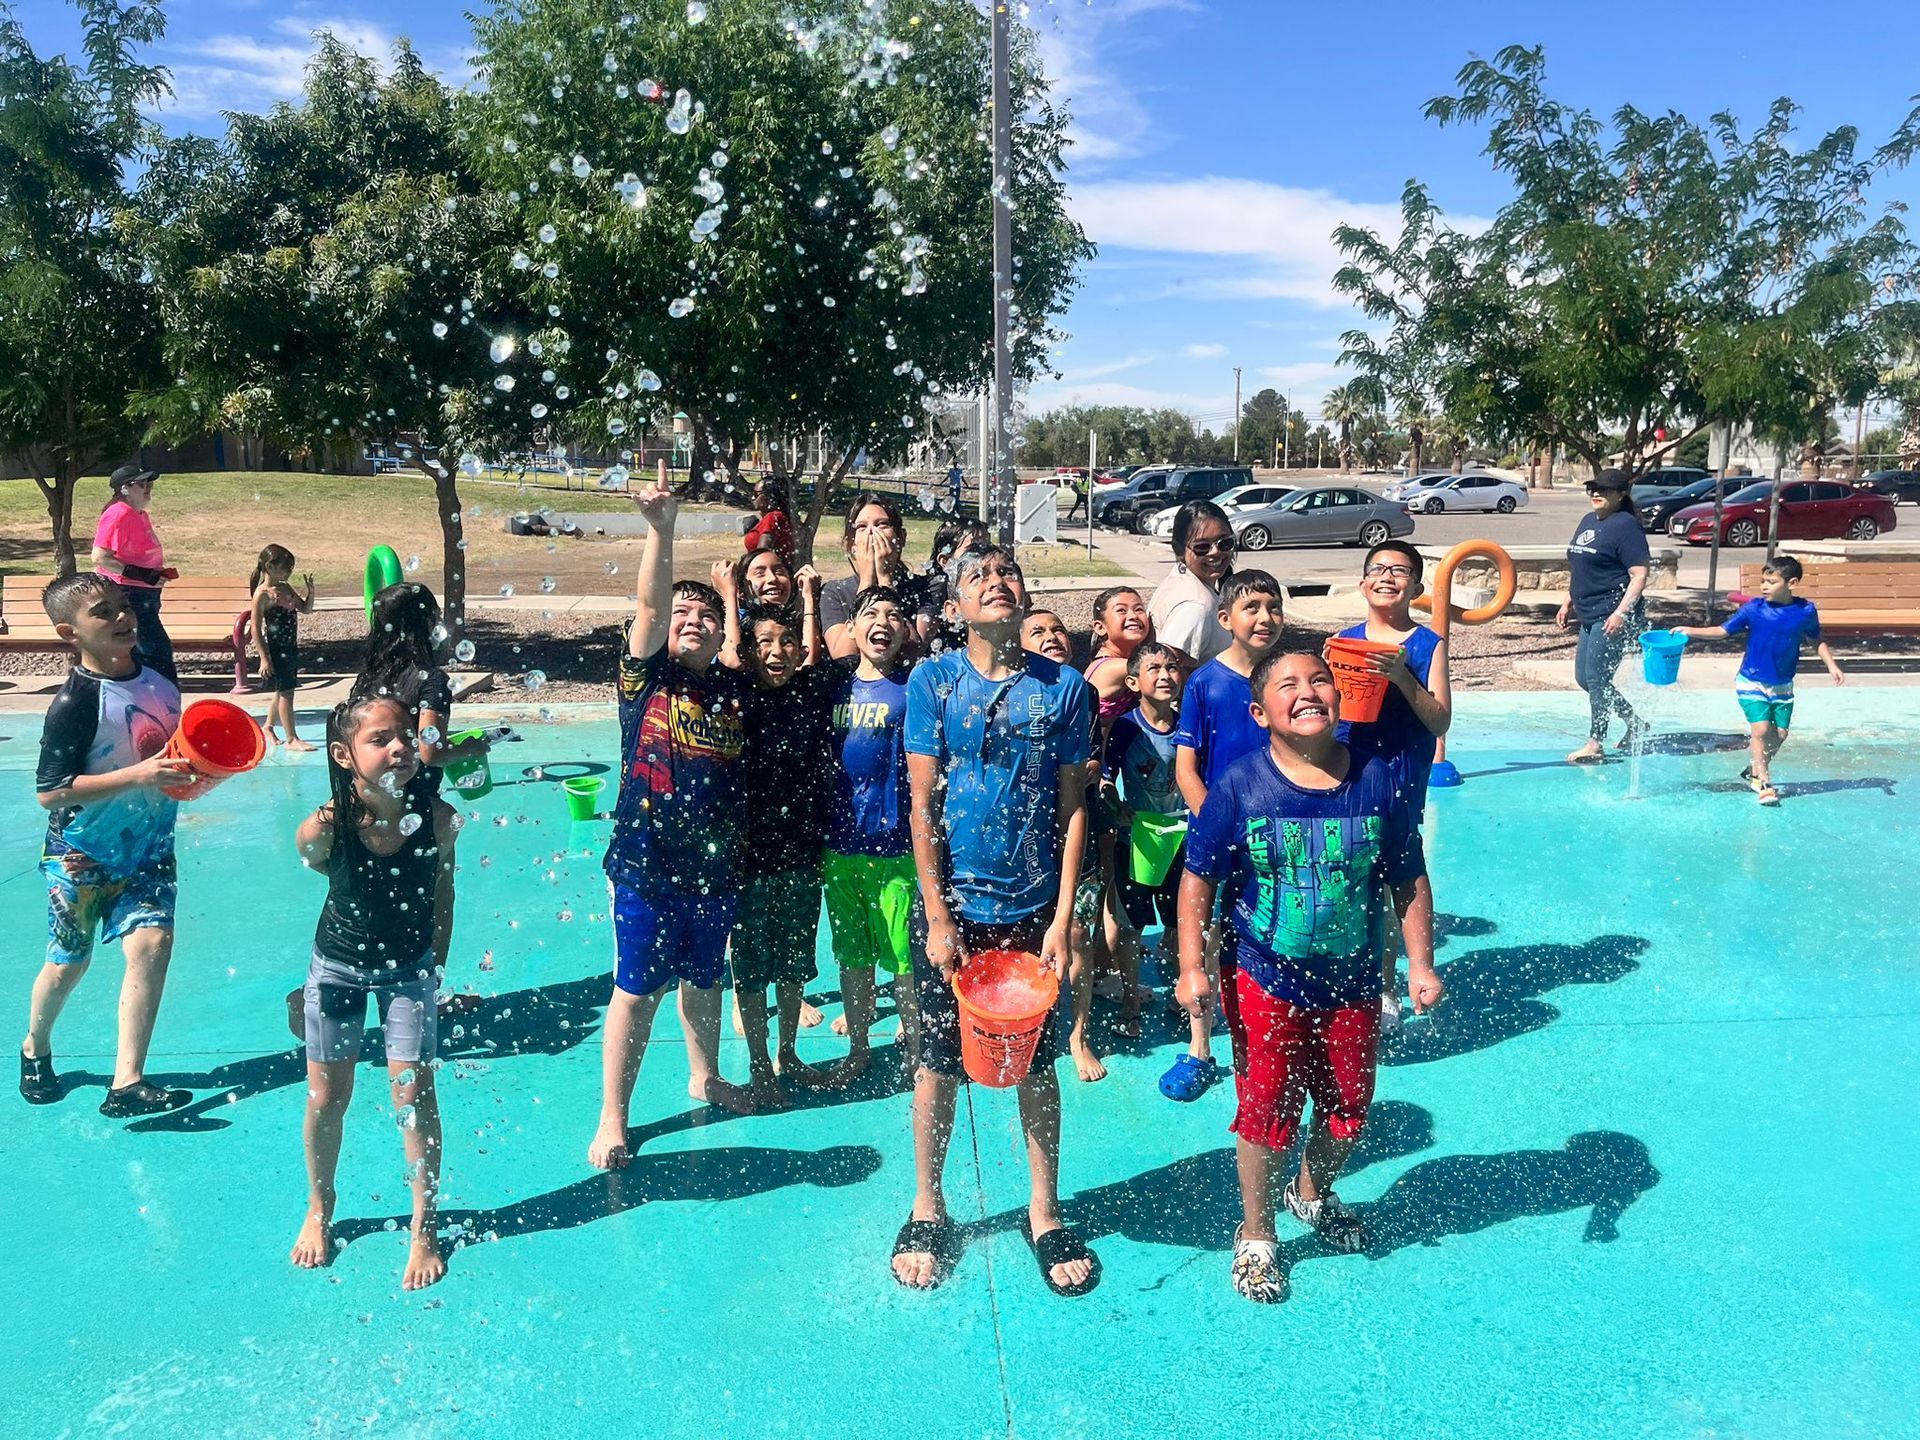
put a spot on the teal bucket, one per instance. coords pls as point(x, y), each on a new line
point(1660, 656)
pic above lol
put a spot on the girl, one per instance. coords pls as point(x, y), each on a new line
point(276, 636)
point(405, 635)
point(765, 579)
point(937, 632)
point(1120, 626)
point(386, 849)
point(774, 530)
point(875, 539)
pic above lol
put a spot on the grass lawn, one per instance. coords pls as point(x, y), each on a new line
point(214, 523)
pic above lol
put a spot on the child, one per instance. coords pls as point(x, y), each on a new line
point(386, 848)
point(108, 854)
point(676, 833)
point(788, 717)
point(404, 639)
point(937, 631)
point(1139, 761)
point(1418, 706)
point(276, 636)
point(1216, 728)
point(996, 749)
point(1313, 836)
point(1777, 622)
point(767, 579)
point(1120, 626)
point(1045, 633)
point(774, 530)
point(868, 865)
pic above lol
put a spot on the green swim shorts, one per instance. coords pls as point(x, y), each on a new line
point(1765, 704)
point(868, 900)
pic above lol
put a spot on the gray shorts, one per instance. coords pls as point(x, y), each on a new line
point(336, 1008)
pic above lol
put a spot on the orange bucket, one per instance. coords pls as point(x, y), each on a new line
point(1006, 999)
point(219, 740)
point(1362, 688)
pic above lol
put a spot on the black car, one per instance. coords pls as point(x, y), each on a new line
point(1656, 511)
point(1896, 485)
point(1658, 484)
point(1186, 482)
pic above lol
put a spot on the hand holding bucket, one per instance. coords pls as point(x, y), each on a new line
point(1156, 839)
point(1006, 1000)
point(1660, 652)
point(217, 738)
point(1362, 685)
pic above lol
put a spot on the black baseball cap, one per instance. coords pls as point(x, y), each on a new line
point(131, 475)
point(1610, 480)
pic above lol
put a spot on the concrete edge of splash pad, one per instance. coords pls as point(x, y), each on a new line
point(32, 694)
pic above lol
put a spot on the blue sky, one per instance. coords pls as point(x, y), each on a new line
point(1219, 141)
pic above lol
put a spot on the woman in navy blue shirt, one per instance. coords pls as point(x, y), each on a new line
point(1608, 557)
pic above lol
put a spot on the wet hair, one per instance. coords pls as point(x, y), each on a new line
point(1190, 514)
point(704, 593)
point(975, 556)
point(1108, 596)
point(273, 557)
point(1248, 582)
point(1785, 566)
point(1148, 650)
point(1042, 610)
point(1263, 668)
point(740, 570)
point(401, 644)
point(66, 597)
point(782, 615)
point(874, 595)
point(951, 535)
point(349, 810)
point(861, 502)
point(1395, 547)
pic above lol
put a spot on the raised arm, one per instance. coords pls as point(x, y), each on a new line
point(813, 639)
point(653, 592)
point(722, 576)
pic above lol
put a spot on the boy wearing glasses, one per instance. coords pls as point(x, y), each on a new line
point(1419, 703)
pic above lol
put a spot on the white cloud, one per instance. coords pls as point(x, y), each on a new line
point(1047, 395)
point(1203, 352)
point(1307, 375)
point(1079, 47)
point(1111, 367)
point(255, 72)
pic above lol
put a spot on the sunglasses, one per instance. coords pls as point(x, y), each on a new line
point(1213, 547)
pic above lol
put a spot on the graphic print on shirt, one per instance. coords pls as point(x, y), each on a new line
point(1311, 884)
point(678, 723)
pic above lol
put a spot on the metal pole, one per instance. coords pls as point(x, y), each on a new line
point(986, 471)
point(1093, 465)
point(1236, 414)
point(1724, 436)
point(1003, 266)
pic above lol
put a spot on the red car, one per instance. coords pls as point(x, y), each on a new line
point(1809, 510)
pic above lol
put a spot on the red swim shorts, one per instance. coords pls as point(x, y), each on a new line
point(1283, 1053)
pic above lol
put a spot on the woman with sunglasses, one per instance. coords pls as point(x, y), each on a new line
point(126, 550)
point(1608, 558)
point(1185, 606)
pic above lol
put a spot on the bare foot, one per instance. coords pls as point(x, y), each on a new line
point(769, 1095)
point(1587, 754)
point(792, 1067)
point(609, 1148)
point(848, 1070)
point(810, 1015)
point(425, 1264)
point(839, 1026)
point(918, 1269)
point(727, 1096)
point(314, 1248)
point(1068, 1272)
point(301, 747)
point(1085, 1061)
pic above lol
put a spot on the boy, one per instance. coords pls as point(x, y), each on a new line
point(1217, 728)
point(1777, 622)
point(108, 855)
point(868, 866)
point(1418, 706)
point(1313, 835)
point(996, 755)
point(1045, 633)
point(789, 728)
point(676, 832)
point(1139, 763)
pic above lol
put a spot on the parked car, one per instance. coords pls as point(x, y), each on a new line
point(1469, 492)
point(1657, 484)
point(1655, 513)
point(1896, 485)
point(1147, 480)
point(1323, 515)
point(1241, 497)
point(1809, 510)
point(1407, 489)
point(1188, 482)
point(1114, 474)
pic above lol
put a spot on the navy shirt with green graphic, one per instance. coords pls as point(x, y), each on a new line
point(1312, 870)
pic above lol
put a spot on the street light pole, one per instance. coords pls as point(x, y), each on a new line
point(1236, 414)
point(1003, 268)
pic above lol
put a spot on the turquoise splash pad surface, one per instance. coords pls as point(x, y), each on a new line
point(1649, 1172)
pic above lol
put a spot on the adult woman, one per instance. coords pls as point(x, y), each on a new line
point(1185, 607)
point(774, 531)
point(1608, 558)
point(126, 549)
point(875, 539)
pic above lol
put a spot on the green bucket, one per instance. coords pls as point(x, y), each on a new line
point(471, 779)
point(1156, 840)
point(583, 795)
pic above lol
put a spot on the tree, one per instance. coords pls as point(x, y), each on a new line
point(78, 333)
point(1613, 291)
point(331, 274)
point(1343, 409)
point(1260, 420)
point(780, 219)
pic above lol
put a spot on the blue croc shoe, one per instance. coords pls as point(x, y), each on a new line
point(1191, 1077)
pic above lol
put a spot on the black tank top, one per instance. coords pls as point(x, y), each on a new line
point(379, 910)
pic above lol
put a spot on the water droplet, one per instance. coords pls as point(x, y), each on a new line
point(463, 652)
point(506, 592)
point(616, 426)
point(631, 190)
point(615, 477)
point(548, 234)
point(551, 269)
point(612, 569)
point(696, 11)
point(539, 412)
point(409, 823)
point(520, 260)
point(535, 679)
point(680, 117)
point(502, 348)
point(890, 136)
point(681, 307)
point(439, 329)
point(647, 380)
point(503, 382)
point(548, 584)
point(580, 166)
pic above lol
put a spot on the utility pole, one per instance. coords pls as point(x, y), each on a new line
point(1003, 267)
point(1236, 414)
point(1093, 466)
point(986, 464)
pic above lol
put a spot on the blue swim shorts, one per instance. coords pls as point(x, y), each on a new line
point(84, 899)
point(658, 939)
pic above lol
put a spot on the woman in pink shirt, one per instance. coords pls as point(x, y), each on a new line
point(126, 549)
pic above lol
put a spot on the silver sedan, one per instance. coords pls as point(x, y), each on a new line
point(1324, 515)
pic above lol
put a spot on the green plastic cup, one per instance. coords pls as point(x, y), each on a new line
point(1156, 840)
point(470, 779)
point(583, 795)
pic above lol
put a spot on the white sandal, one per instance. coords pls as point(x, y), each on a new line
point(1256, 1270)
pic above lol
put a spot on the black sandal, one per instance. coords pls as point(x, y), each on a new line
point(926, 1237)
point(1058, 1247)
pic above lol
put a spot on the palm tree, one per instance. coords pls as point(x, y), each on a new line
point(1344, 408)
point(1416, 418)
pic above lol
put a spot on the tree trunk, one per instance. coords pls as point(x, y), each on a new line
point(453, 555)
point(57, 491)
point(700, 465)
point(809, 527)
point(1416, 445)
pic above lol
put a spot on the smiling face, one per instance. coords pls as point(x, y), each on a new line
point(1389, 578)
point(767, 581)
point(990, 591)
point(1299, 701)
point(381, 753)
point(104, 629)
point(1124, 623)
point(1044, 633)
point(1209, 552)
point(880, 632)
point(774, 654)
point(693, 631)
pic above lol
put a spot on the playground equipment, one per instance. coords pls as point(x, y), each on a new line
point(383, 569)
point(1446, 774)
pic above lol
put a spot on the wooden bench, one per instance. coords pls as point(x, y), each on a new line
point(1856, 597)
point(199, 613)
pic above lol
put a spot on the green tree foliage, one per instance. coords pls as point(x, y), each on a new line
point(1343, 409)
point(1261, 419)
point(1651, 275)
point(1128, 435)
point(776, 218)
point(78, 332)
